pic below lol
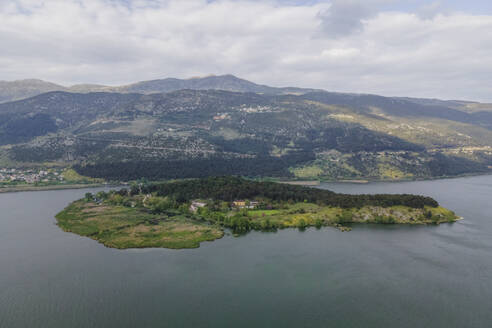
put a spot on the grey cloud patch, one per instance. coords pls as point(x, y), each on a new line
point(429, 11)
point(345, 17)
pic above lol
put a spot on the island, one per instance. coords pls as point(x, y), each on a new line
point(182, 214)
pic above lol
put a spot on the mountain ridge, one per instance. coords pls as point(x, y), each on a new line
point(22, 89)
point(196, 133)
point(25, 88)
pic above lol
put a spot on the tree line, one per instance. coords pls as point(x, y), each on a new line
point(233, 188)
point(261, 165)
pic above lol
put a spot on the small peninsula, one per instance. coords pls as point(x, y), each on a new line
point(182, 214)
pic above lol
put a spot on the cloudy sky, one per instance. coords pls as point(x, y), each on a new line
point(391, 47)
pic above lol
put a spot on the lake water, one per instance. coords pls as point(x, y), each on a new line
point(373, 276)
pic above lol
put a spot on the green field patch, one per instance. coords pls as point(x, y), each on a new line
point(260, 213)
point(126, 227)
point(70, 175)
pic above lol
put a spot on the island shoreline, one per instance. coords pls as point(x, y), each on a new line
point(182, 214)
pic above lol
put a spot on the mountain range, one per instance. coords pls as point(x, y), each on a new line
point(217, 125)
point(21, 89)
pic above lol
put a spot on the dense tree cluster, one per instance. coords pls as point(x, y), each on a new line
point(233, 188)
point(16, 128)
point(442, 165)
point(195, 168)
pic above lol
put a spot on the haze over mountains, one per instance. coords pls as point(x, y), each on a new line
point(225, 125)
point(21, 89)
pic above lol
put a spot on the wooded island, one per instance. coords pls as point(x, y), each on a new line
point(182, 214)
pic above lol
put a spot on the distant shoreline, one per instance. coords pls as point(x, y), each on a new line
point(301, 183)
point(368, 180)
point(291, 182)
point(53, 187)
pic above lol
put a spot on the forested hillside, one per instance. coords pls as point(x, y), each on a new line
point(268, 132)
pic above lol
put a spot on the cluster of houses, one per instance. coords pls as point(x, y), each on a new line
point(243, 108)
point(245, 204)
point(237, 204)
point(221, 116)
point(29, 176)
point(256, 109)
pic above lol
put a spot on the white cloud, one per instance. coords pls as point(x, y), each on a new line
point(111, 42)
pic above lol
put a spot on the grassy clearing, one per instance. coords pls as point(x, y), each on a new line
point(70, 175)
point(302, 215)
point(312, 171)
point(125, 227)
point(259, 213)
point(387, 171)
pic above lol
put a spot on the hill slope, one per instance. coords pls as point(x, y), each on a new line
point(14, 90)
point(196, 133)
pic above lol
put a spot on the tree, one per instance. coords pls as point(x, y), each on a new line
point(116, 199)
point(302, 224)
point(101, 195)
point(89, 197)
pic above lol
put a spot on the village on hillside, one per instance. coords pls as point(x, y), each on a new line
point(30, 176)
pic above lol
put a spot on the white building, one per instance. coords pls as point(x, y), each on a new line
point(195, 205)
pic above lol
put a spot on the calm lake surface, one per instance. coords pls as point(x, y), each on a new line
point(373, 276)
